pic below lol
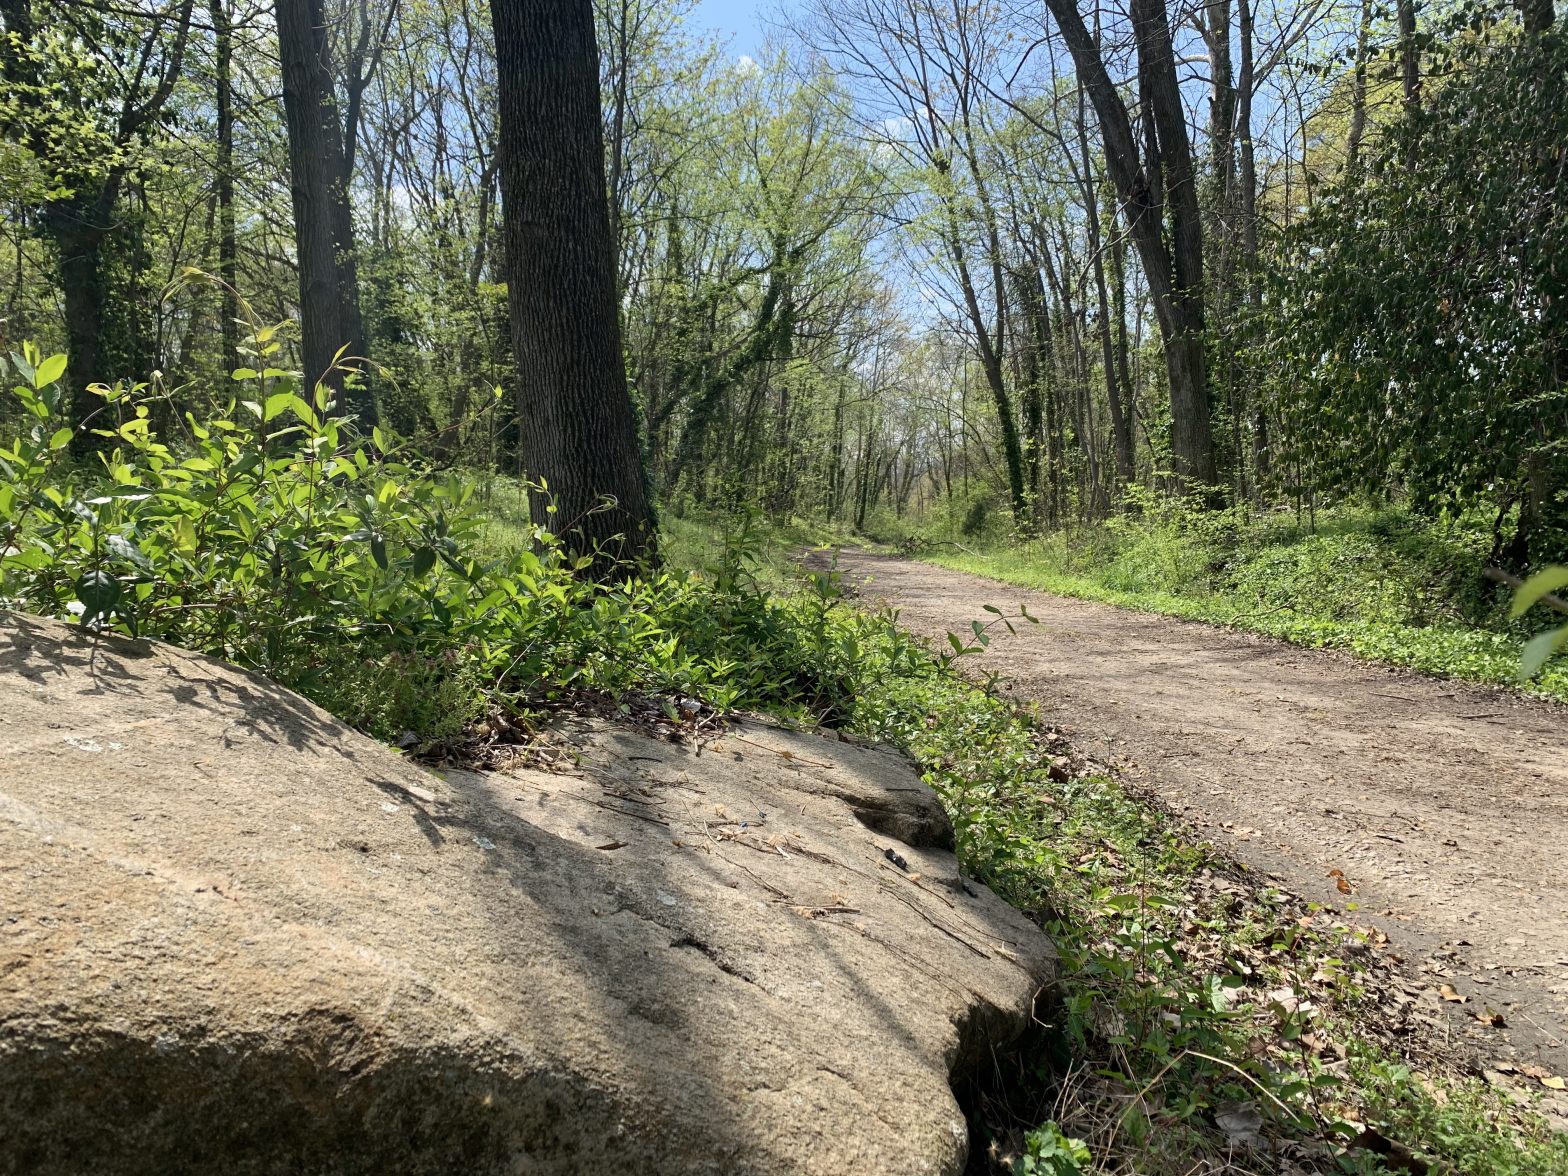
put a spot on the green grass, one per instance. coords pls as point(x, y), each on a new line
point(1377, 584)
point(697, 541)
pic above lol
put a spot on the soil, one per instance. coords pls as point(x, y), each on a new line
point(1441, 806)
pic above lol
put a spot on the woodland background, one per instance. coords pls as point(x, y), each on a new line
point(951, 267)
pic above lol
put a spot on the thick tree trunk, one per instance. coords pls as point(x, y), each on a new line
point(328, 282)
point(1191, 441)
point(1174, 267)
point(579, 428)
point(80, 223)
point(228, 263)
point(78, 227)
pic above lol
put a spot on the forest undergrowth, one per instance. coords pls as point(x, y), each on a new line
point(1383, 583)
point(1203, 1020)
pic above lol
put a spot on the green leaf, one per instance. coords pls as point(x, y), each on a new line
point(61, 438)
point(1536, 587)
point(99, 592)
point(378, 551)
point(424, 560)
point(128, 551)
point(49, 371)
point(185, 534)
point(277, 404)
point(1538, 649)
point(246, 462)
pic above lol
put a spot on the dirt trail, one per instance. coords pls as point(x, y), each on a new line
point(1445, 805)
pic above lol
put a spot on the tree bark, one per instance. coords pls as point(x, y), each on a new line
point(1173, 267)
point(228, 263)
point(323, 222)
point(1247, 184)
point(1121, 427)
point(78, 226)
point(579, 427)
point(1409, 55)
point(1222, 95)
point(1358, 93)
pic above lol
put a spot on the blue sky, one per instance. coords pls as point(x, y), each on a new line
point(743, 20)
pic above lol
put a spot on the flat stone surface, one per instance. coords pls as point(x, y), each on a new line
point(236, 936)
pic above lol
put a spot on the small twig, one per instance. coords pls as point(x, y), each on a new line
point(610, 808)
point(1242, 1073)
point(1261, 613)
point(1551, 600)
point(949, 932)
point(785, 754)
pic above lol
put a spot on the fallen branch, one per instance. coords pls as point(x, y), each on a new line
point(1260, 613)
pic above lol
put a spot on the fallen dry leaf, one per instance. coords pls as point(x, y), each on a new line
point(1554, 1083)
point(1448, 992)
point(1341, 883)
point(1241, 1122)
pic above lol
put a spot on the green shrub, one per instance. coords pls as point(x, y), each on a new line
point(275, 536)
point(1384, 583)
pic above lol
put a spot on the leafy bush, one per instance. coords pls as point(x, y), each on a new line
point(1385, 583)
point(1444, 374)
point(275, 536)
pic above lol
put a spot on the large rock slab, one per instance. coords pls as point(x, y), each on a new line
point(236, 937)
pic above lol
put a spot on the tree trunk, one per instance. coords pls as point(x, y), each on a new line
point(228, 265)
point(1247, 184)
point(991, 365)
point(1036, 348)
point(1222, 95)
point(78, 226)
point(1121, 427)
point(1174, 267)
point(323, 224)
point(579, 428)
point(1358, 93)
point(1409, 55)
point(1191, 442)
